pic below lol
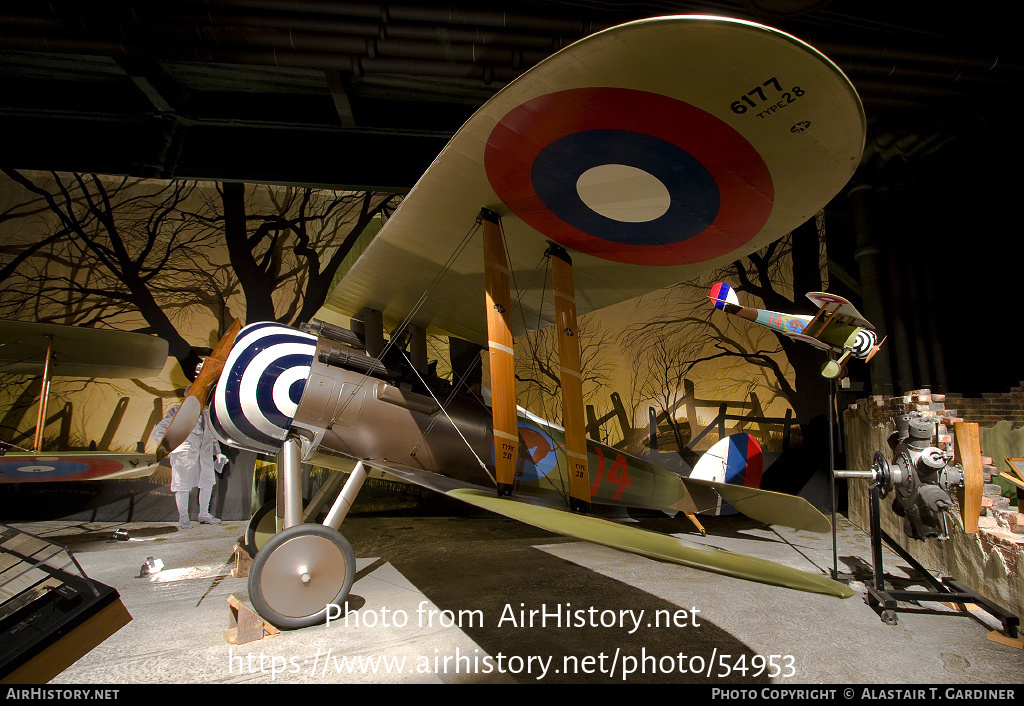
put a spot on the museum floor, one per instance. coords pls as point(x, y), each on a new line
point(449, 600)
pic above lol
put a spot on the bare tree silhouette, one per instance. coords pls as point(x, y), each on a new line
point(537, 365)
point(685, 333)
point(178, 259)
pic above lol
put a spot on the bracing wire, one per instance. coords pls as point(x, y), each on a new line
point(420, 302)
point(451, 396)
point(454, 425)
point(409, 317)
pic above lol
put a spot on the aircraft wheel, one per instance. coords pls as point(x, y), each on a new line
point(298, 573)
point(831, 370)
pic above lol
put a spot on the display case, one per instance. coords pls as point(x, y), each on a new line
point(51, 613)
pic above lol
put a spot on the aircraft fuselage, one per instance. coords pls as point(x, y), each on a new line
point(355, 415)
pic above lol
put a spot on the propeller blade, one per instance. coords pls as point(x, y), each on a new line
point(875, 350)
point(968, 455)
point(181, 426)
point(213, 365)
point(198, 392)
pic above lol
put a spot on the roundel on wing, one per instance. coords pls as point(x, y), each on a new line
point(629, 176)
point(56, 468)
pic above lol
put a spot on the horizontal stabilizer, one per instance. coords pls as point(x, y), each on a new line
point(653, 545)
point(766, 505)
point(79, 351)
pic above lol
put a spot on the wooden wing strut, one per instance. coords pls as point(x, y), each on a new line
point(502, 357)
point(571, 379)
point(44, 396)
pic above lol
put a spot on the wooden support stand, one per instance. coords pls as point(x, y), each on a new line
point(245, 625)
point(242, 563)
point(996, 636)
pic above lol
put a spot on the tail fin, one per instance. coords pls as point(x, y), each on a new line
point(722, 294)
point(736, 459)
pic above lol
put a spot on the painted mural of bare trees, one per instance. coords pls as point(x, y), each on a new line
point(177, 259)
point(678, 335)
point(537, 366)
point(674, 337)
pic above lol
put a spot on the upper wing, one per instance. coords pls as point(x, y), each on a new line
point(651, 151)
point(624, 537)
point(80, 351)
point(845, 311)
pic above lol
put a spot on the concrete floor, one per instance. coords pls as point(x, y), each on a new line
point(432, 593)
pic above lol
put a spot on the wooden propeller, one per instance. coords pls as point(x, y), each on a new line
point(968, 455)
point(198, 392)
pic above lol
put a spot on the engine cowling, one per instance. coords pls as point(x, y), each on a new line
point(259, 390)
point(864, 342)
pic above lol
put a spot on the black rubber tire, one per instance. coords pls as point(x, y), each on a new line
point(262, 525)
point(275, 584)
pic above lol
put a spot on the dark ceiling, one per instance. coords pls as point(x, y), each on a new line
point(354, 94)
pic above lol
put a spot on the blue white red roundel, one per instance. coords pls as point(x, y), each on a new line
point(629, 176)
point(56, 468)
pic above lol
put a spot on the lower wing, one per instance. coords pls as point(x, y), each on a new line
point(809, 339)
point(624, 537)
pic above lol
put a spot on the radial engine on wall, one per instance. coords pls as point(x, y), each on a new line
point(921, 478)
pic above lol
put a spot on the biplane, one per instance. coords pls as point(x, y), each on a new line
point(837, 327)
point(626, 162)
point(73, 351)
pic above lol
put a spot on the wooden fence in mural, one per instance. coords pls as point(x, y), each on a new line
point(744, 416)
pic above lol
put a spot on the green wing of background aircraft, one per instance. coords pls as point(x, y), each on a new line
point(73, 351)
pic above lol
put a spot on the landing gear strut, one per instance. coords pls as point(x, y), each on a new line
point(307, 566)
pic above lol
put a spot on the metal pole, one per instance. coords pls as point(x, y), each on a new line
point(832, 475)
point(876, 537)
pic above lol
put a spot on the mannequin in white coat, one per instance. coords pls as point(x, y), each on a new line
point(195, 463)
